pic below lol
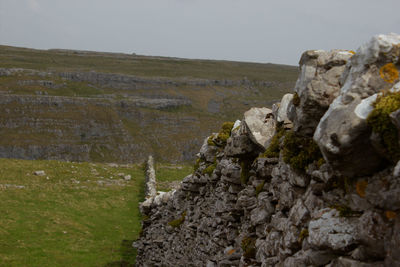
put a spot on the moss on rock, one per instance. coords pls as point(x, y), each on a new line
point(381, 124)
point(179, 221)
point(210, 169)
point(299, 151)
point(222, 136)
point(274, 147)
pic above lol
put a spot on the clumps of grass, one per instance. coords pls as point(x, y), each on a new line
point(260, 187)
point(303, 234)
point(274, 147)
point(245, 165)
point(380, 123)
point(222, 136)
point(296, 99)
point(299, 151)
point(178, 222)
point(210, 169)
point(249, 247)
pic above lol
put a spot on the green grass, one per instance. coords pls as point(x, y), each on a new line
point(78, 214)
point(142, 65)
point(166, 174)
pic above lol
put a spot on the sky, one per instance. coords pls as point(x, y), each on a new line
point(241, 30)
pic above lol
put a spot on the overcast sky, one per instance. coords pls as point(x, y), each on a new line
point(245, 30)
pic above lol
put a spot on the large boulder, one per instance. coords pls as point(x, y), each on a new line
point(317, 86)
point(342, 133)
point(261, 125)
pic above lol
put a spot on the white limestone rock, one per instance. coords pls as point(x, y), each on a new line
point(342, 133)
point(260, 125)
point(329, 230)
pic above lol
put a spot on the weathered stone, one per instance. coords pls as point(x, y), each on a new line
point(317, 86)
point(299, 213)
point(347, 262)
point(371, 231)
point(207, 152)
point(261, 125)
point(392, 245)
point(239, 143)
point(342, 133)
point(39, 173)
point(329, 230)
point(283, 109)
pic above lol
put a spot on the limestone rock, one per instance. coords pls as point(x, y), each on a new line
point(261, 125)
point(342, 134)
point(239, 143)
point(317, 86)
point(329, 230)
point(283, 109)
point(39, 173)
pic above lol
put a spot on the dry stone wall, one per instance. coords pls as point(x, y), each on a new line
point(324, 193)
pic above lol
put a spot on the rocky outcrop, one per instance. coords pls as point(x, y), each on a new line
point(343, 133)
point(292, 205)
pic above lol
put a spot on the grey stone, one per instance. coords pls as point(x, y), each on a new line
point(342, 133)
point(39, 173)
point(261, 125)
point(329, 230)
point(317, 86)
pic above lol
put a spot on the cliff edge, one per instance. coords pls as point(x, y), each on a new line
point(314, 181)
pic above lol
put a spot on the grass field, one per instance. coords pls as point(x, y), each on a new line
point(77, 214)
point(145, 66)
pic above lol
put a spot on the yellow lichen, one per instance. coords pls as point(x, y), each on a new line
point(360, 188)
point(389, 73)
point(390, 214)
point(230, 252)
point(380, 122)
point(352, 52)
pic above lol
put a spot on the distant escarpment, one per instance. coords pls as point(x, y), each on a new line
point(314, 181)
point(64, 111)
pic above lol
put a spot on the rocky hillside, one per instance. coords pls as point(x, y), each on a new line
point(88, 106)
point(313, 182)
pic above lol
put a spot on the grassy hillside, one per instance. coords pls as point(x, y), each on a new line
point(64, 60)
point(77, 214)
point(105, 107)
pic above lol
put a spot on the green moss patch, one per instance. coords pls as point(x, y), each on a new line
point(210, 169)
point(380, 123)
point(274, 147)
point(178, 222)
point(222, 136)
point(299, 151)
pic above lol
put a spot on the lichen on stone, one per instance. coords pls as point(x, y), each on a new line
point(389, 73)
point(380, 122)
point(361, 186)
